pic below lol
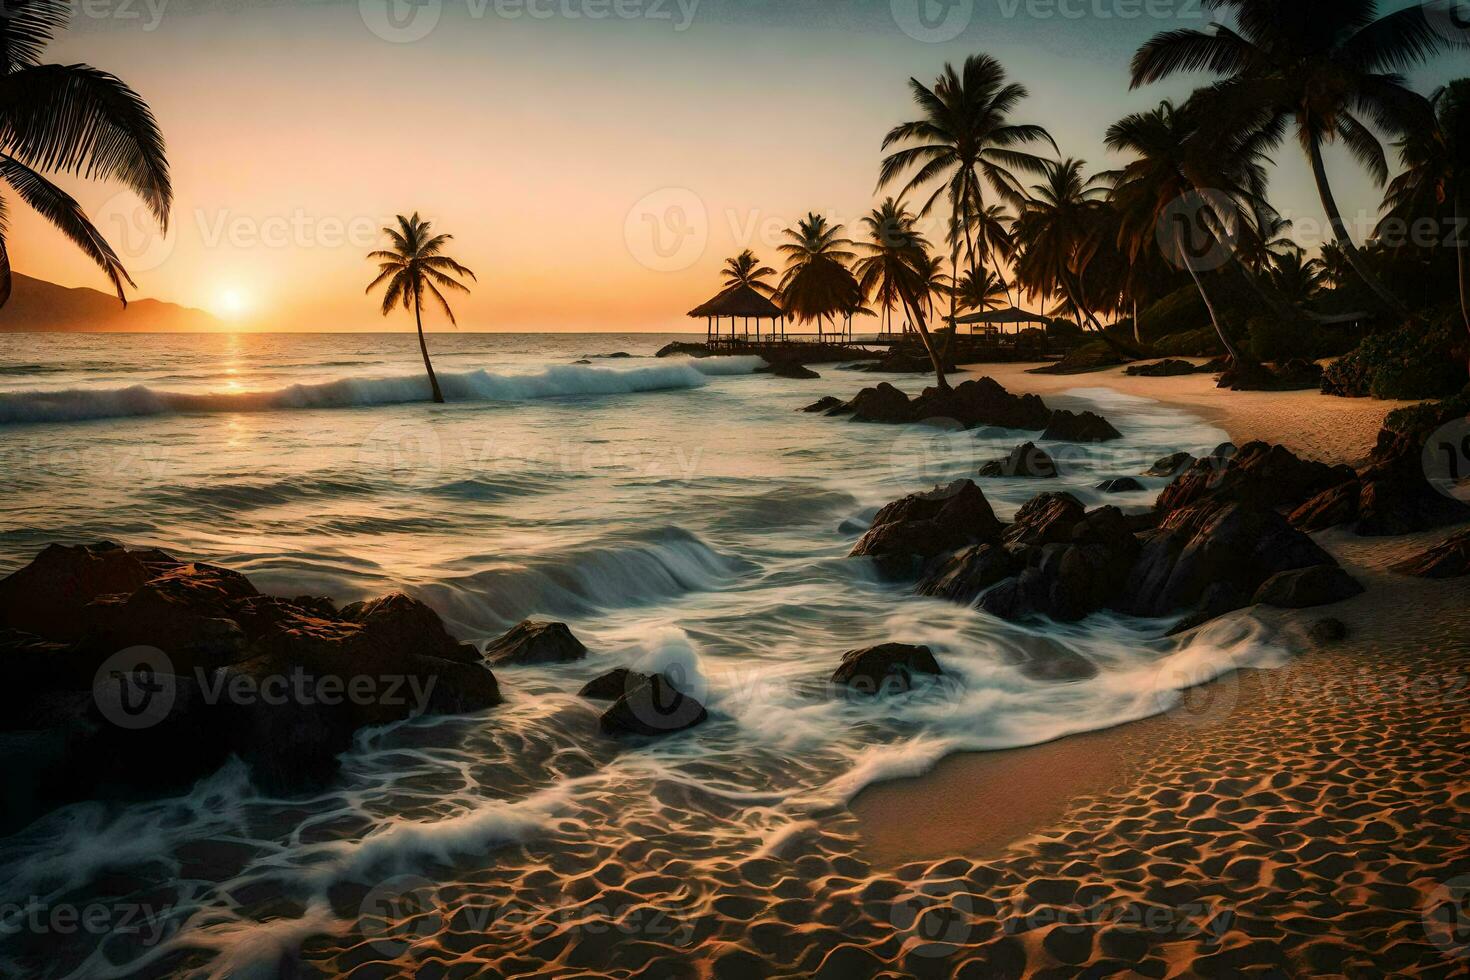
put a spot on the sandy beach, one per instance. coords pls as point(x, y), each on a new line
point(1308, 817)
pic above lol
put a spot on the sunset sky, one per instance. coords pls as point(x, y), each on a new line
point(551, 146)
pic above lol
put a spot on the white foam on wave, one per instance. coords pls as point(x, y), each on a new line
point(77, 405)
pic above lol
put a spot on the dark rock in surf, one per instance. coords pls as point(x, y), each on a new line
point(886, 669)
point(1122, 485)
point(1086, 427)
point(826, 406)
point(982, 402)
point(1026, 461)
point(1070, 572)
point(49, 595)
point(1171, 465)
point(910, 532)
point(1448, 559)
point(1046, 519)
point(1304, 588)
point(613, 685)
point(791, 370)
point(653, 709)
point(1161, 369)
point(534, 643)
point(682, 349)
point(884, 403)
point(1259, 474)
point(964, 576)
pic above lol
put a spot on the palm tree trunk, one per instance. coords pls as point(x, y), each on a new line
point(418, 316)
point(1463, 250)
point(1209, 304)
point(1340, 230)
point(1137, 329)
point(923, 329)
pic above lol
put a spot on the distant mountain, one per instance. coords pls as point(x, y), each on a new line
point(44, 306)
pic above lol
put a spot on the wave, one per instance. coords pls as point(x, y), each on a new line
point(80, 405)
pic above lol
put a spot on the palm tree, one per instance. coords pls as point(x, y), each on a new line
point(1159, 192)
point(1328, 68)
point(1297, 277)
point(898, 269)
point(981, 289)
point(413, 267)
point(965, 139)
point(1436, 178)
point(746, 270)
point(817, 284)
point(74, 120)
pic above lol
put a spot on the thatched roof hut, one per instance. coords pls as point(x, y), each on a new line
point(739, 303)
point(1002, 318)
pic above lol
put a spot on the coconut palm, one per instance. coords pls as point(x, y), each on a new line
point(414, 267)
point(1436, 177)
point(73, 120)
point(1327, 68)
point(981, 289)
point(746, 270)
point(1170, 195)
point(1297, 277)
point(898, 269)
point(817, 285)
point(964, 140)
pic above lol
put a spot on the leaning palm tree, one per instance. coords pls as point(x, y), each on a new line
point(72, 120)
point(746, 270)
point(412, 268)
point(1326, 68)
point(1436, 177)
point(964, 140)
point(896, 270)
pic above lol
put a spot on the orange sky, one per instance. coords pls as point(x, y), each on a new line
point(552, 148)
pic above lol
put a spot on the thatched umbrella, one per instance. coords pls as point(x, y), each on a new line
point(739, 302)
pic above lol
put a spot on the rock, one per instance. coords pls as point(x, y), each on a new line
point(1024, 461)
point(1330, 508)
point(1161, 369)
point(403, 621)
point(1448, 559)
point(885, 669)
point(982, 402)
point(905, 362)
point(1397, 498)
point(1053, 663)
point(48, 596)
point(1327, 632)
point(884, 403)
point(534, 643)
point(653, 709)
point(1069, 579)
point(1046, 519)
point(910, 532)
point(681, 349)
point(827, 406)
point(964, 576)
point(1123, 485)
point(613, 685)
point(1171, 465)
point(1259, 474)
point(1304, 588)
point(1232, 549)
point(793, 370)
point(1087, 427)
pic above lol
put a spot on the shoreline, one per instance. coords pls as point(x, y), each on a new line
point(1225, 771)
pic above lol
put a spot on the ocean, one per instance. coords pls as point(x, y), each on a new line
point(677, 514)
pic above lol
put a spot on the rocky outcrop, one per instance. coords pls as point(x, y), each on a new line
point(1258, 474)
point(906, 362)
point(790, 369)
point(884, 403)
point(682, 349)
point(1024, 461)
point(1391, 496)
point(1086, 427)
point(1448, 559)
point(1045, 519)
point(1124, 484)
point(1215, 557)
point(980, 402)
point(535, 643)
point(184, 663)
point(613, 685)
point(909, 533)
point(1161, 369)
point(1304, 588)
point(885, 669)
point(651, 708)
point(826, 406)
point(1074, 569)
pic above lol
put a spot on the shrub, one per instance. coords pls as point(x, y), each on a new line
point(1413, 361)
point(1275, 341)
point(1190, 343)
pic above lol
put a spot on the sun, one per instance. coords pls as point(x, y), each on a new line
point(232, 303)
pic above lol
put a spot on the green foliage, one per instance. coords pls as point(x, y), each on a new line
point(1411, 362)
point(1191, 343)
point(1420, 420)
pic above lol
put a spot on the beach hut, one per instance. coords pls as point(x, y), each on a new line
point(742, 305)
point(995, 321)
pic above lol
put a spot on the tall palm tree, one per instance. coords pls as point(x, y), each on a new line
point(1056, 234)
point(897, 269)
point(75, 120)
point(746, 270)
point(817, 285)
point(413, 267)
point(981, 289)
point(1297, 277)
point(964, 139)
point(1436, 177)
point(1327, 68)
